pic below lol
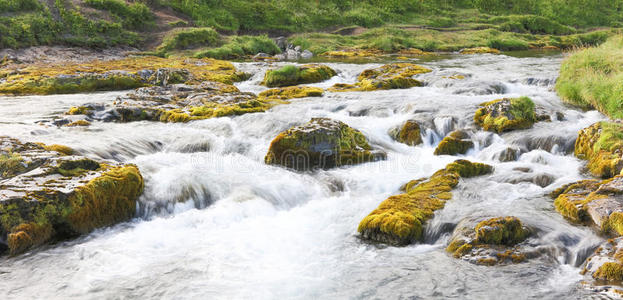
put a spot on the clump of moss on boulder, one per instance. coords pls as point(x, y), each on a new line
point(400, 219)
point(593, 202)
point(457, 142)
point(293, 75)
point(479, 50)
point(606, 264)
point(602, 145)
point(291, 92)
point(321, 143)
point(53, 197)
point(490, 242)
point(408, 133)
point(386, 77)
point(506, 114)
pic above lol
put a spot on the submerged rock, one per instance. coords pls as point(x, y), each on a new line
point(490, 242)
point(294, 75)
point(602, 145)
point(399, 220)
point(47, 194)
point(593, 201)
point(457, 142)
point(321, 143)
point(409, 133)
point(506, 114)
point(179, 103)
point(386, 77)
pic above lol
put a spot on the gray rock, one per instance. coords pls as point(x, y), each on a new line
point(280, 57)
point(307, 54)
point(282, 42)
point(261, 56)
point(292, 54)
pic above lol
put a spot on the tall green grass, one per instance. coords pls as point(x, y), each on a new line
point(593, 78)
point(239, 46)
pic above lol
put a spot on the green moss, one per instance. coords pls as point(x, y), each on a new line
point(11, 164)
point(291, 92)
point(240, 46)
point(570, 203)
point(612, 271)
point(189, 38)
point(399, 220)
point(501, 231)
point(79, 123)
point(64, 150)
point(71, 168)
point(614, 223)
point(457, 142)
point(506, 114)
point(479, 50)
point(78, 110)
point(410, 133)
point(293, 75)
point(390, 76)
point(601, 144)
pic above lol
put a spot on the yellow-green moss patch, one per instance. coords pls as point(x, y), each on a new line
point(386, 77)
point(506, 114)
point(293, 75)
point(457, 142)
point(479, 50)
point(602, 145)
point(291, 92)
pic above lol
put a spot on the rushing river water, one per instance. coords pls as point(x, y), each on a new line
point(215, 222)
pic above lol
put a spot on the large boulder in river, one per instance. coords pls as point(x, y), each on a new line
point(386, 77)
point(400, 219)
point(457, 142)
point(321, 143)
point(602, 145)
point(506, 114)
point(593, 202)
point(294, 75)
point(47, 195)
point(490, 242)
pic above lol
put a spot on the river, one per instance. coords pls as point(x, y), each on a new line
point(215, 222)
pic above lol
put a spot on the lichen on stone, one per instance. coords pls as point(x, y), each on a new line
point(400, 219)
point(386, 77)
point(457, 142)
point(321, 143)
point(506, 114)
point(293, 75)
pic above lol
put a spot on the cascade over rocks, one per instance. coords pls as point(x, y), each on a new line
point(321, 143)
point(49, 194)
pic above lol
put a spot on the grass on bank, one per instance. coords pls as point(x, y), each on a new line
point(593, 78)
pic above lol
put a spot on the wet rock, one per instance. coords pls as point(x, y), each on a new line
point(293, 75)
point(178, 103)
point(409, 133)
point(606, 264)
point(321, 143)
point(292, 54)
point(491, 241)
point(483, 88)
point(457, 142)
point(291, 92)
point(506, 114)
point(547, 142)
point(262, 56)
point(400, 219)
point(508, 154)
point(594, 202)
point(539, 81)
point(390, 76)
point(541, 179)
point(602, 145)
point(47, 194)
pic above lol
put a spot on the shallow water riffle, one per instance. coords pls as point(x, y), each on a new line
point(216, 222)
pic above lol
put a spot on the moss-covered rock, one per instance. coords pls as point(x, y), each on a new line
point(506, 114)
point(491, 241)
point(479, 50)
point(386, 77)
point(593, 202)
point(181, 103)
point(321, 143)
point(400, 219)
point(457, 142)
point(291, 92)
point(606, 264)
point(409, 133)
point(293, 75)
point(115, 75)
point(353, 53)
point(602, 145)
point(53, 197)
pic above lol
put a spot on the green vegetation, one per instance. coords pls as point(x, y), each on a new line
point(188, 38)
point(506, 114)
point(132, 16)
point(239, 46)
point(591, 78)
point(293, 75)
